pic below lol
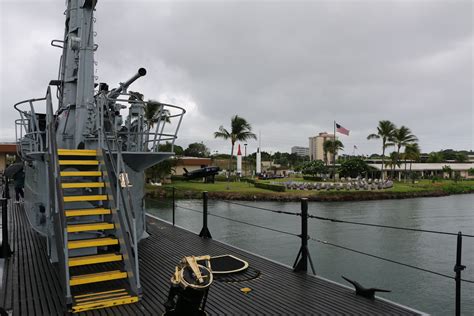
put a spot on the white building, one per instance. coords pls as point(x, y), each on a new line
point(427, 170)
point(300, 151)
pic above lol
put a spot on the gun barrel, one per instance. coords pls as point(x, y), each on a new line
point(123, 86)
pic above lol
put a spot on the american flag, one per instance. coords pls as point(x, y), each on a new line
point(342, 130)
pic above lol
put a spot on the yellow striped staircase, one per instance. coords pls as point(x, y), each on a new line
point(98, 278)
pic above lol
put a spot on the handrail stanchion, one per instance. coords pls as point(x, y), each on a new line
point(204, 231)
point(302, 264)
point(174, 205)
point(458, 269)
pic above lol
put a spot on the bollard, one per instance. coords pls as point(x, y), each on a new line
point(302, 264)
point(174, 205)
point(458, 268)
point(6, 251)
point(204, 231)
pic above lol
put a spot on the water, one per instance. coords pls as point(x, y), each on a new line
point(417, 289)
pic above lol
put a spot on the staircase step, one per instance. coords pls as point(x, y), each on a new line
point(81, 173)
point(79, 162)
point(97, 277)
point(81, 198)
point(89, 227)
point(86, 260)
point(79, 185)
point(87, 212)
point(77, 152)
point(93, 242)
point(114, 300)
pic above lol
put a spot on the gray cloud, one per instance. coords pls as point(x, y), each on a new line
point(290, 68)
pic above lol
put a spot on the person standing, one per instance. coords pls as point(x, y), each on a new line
point(19, 182)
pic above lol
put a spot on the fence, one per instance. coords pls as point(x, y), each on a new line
point(303, 256)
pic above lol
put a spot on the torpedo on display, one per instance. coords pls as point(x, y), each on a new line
point(207, 172)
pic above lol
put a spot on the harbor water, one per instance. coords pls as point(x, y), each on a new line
point(417, 289)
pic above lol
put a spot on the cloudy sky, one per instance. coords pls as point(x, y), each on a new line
point(290, 68)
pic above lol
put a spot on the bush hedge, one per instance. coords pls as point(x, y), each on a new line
point(269, 186)
point(312, 178)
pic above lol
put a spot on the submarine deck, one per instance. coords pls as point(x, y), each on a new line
point(31, 285)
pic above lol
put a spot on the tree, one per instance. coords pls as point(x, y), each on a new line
point(154, 113)
point(197, 150)
point(435, 157)
point(393, 161)
point(412, 153)
point(240, 130)
point(178, 150)
point(447, 169)
point(314, 168)
point(385, 132)
point(461, 157)
point(161, 169)
point(333, 146)
point(354, 167)
point(401, 137)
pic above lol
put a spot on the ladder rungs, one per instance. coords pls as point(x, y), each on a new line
point(93, 242)
point(95, 294)
point(78, 162)
point(81, 198)
point(85, 260)
point(78, 185)
point(81, 173)
point(89, 227)
point(87, 212)
point(105, 303)
point(77, 152)
point(97, 277)
point(107, 296)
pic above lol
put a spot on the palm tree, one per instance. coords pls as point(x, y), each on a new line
point(393, 162)
point(412, 153)
point(241, 130)
point(327, 145)
point(385, 132)
point(401, 137)
point(333, 146)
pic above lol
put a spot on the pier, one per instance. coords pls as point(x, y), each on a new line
point(31, 282)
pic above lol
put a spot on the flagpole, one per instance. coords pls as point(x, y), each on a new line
point(334, 154)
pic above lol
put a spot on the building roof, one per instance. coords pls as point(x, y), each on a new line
point(8, 148)
point(193, 161)
point(428, 166)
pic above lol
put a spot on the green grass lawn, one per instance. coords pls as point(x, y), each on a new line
point(243, 188)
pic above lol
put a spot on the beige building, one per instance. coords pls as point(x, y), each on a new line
point(191, 164)
point(316, 151)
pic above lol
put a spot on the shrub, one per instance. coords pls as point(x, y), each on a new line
point(314, 168)
point(353, 167)
point(312, 178)
point(269, 186)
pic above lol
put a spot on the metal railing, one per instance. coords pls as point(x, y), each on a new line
point(30, 130)
point(127, 215)
point(139, 133)
point(57, 200)
point(303, 257)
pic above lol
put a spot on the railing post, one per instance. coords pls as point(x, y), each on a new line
point(458, 268)
point(6, 251)
point(204, 231)
point(174, 205)
point(303, 254)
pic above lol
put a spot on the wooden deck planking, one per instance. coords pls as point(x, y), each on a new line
point(32, 287)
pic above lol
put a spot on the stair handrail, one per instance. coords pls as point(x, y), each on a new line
point(57, 202)
point(118, 168)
